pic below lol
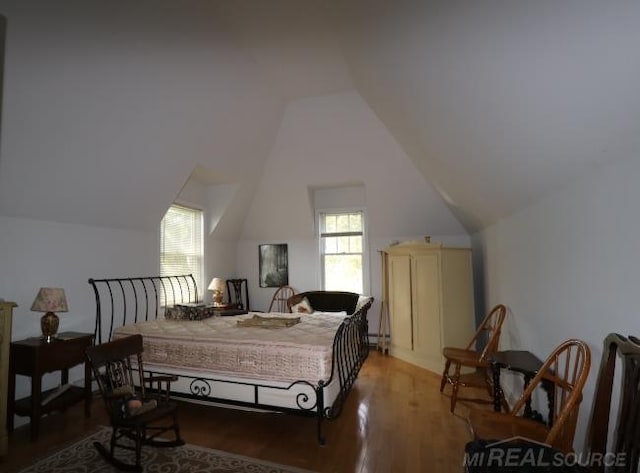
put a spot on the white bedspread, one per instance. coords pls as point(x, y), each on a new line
point(218, 345)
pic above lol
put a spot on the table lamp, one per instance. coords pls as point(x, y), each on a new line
point(217, 287)
point(50, 299)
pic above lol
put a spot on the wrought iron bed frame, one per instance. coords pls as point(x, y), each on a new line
point(138, 299)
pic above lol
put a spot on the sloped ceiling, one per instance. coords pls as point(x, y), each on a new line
point(109, 106)
point(294, 43)
point(495, 102)
point(499, 102)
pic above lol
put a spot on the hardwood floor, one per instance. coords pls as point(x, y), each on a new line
point(395, 420)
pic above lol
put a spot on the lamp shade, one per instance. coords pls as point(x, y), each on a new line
point(50, 299)
point(217, 284)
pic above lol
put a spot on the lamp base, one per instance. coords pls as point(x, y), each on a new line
point(217, 298)
point(49, 326)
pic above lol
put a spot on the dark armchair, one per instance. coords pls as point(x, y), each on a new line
point(330, 301)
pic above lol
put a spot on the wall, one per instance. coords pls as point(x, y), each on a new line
point(36, 253)
point(336, 141)
point(219, 254)
point(568, 267)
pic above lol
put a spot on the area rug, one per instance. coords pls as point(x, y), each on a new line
point(82, 457)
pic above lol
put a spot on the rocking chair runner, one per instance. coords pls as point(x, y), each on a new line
point(134, 414)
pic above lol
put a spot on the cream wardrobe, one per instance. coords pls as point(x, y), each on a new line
point(430, 301)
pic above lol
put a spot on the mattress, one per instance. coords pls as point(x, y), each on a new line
point(219, 345)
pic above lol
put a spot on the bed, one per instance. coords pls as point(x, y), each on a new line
point(302, 364)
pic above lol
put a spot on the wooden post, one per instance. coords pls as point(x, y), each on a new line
point(6, 309)
point(383, 324)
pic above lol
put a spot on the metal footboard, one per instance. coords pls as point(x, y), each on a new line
point(350, 350)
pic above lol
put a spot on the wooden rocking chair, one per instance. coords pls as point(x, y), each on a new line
point(136, 417)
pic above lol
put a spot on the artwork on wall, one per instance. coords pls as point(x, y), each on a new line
point(274, 265)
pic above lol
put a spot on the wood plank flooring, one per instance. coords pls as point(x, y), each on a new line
point(395, 420)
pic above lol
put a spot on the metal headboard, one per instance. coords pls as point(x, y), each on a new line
point(129, 300)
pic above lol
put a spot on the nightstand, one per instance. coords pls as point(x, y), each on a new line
point(229, 311)
point(34, 357)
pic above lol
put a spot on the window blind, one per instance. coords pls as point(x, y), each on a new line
point(181, 250)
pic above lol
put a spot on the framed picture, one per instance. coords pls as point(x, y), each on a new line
point(274, 265)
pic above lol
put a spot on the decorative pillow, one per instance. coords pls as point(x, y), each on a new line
point(302, 307)
point(362, 301)
point(125, 390)
point(340, 313)
point(189, 312)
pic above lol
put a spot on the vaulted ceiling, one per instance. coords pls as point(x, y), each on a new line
point(496, 103)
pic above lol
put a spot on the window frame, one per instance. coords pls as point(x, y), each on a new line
point(365, 243)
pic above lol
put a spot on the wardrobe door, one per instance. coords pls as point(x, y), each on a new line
point(400, 302)
point(427, 307)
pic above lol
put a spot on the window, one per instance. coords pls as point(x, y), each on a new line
point(181, 249)
point(342, 251)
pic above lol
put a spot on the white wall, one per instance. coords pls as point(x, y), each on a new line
point(36, 253)
point(219, 254)
point(569, 267)
point(329, 141)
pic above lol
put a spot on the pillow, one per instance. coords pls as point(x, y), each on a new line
point(189, 312)
point(302, 307)
point(362, 301)
point(341, 313)
point(125, 390)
